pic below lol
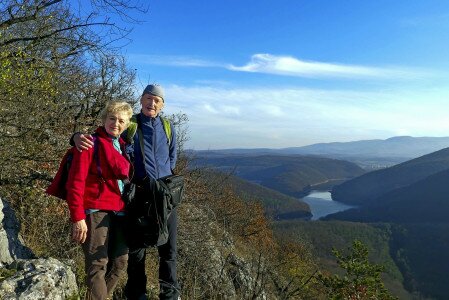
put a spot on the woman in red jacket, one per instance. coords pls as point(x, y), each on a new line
point(94, 188)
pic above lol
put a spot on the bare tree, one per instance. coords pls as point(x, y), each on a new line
point(57, 69)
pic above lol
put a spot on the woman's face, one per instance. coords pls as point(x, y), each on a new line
point(151, 105)
point(116, 123)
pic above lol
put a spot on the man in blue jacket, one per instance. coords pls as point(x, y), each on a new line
point(159, 160)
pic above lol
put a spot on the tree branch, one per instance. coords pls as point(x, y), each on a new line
point(45, 36)
point(14, 20)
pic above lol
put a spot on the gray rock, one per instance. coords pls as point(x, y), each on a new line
point(225, 273)
point(11, 244)
point(23, 276)
point(39, 279)
point(243, 274)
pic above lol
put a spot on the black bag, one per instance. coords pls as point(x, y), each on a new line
point(146, 232)
point(147, 217)
point(129, 192)
point(171, 189)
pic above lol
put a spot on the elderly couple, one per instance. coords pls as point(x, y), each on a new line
point(94, 194)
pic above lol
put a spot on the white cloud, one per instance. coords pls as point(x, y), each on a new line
point(210, 109)
point(272, 110)
point(221, 109)
point(287, 66)
point(268, 117)
point(173, 60)
point(291, 66)
point(232, 110)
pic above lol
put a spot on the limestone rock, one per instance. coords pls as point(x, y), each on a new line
point(39, 279)
point(24, 277)
point(225, 272)
point(11, 244)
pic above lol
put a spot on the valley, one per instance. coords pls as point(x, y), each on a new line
point(399, 210)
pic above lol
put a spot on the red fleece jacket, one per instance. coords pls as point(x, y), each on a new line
point(85, 189)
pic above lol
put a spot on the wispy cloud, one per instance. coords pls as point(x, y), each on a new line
point(282, 117)
point(287, 66)
point(173, 60)
point(291, 66)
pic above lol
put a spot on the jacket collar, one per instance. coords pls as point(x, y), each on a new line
point(147, 119)
point(101, 132)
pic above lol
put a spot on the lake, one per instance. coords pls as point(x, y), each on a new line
point(321, 204)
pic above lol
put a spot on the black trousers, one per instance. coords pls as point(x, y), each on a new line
point(137, 280)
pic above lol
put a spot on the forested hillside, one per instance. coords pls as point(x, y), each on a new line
point(366, 189)
point(421, 202)
point(322, 237)
point(291, 175)
point(421, 251)
point(412, 198)
point(276, 204)
point(414, 254)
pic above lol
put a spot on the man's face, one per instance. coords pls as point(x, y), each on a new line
point(151, 105)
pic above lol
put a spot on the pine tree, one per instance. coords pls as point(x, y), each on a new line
point(362, 279)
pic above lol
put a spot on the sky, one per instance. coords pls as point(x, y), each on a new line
point(289, 73)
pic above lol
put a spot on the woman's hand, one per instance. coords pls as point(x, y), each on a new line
point(83, 141)
point(79, 231)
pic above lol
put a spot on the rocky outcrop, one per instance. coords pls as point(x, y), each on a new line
point(39, 279)
point(244, 279)
point(11, 244)
point(221, 270)
point(22, 276)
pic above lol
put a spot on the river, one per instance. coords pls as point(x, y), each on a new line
point(321, 204)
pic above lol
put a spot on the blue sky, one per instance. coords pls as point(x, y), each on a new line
point(291, 73)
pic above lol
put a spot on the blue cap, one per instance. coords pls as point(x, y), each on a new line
point(155, 90)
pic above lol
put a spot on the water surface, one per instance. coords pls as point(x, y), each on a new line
point(321, 204)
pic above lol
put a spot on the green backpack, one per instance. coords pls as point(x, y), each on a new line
point(133, 128)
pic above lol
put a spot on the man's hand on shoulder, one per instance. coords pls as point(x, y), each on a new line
point(83, 141)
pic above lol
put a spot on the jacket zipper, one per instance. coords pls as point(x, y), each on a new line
point(153, 121)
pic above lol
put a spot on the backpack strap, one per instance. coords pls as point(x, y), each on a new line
point(128, 135)
point(140, 135)
point(135, 125)
point(167, 128)
point(97, 157)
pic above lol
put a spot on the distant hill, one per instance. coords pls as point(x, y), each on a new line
point(400, 146)
point(291, 175)
point(426, 200)
point(370, 154)
point(367, 189)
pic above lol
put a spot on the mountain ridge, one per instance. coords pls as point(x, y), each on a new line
point(397, 146)
point(368, 187)
point(423, 201)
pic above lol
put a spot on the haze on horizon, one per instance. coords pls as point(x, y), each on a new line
point(292, 73)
